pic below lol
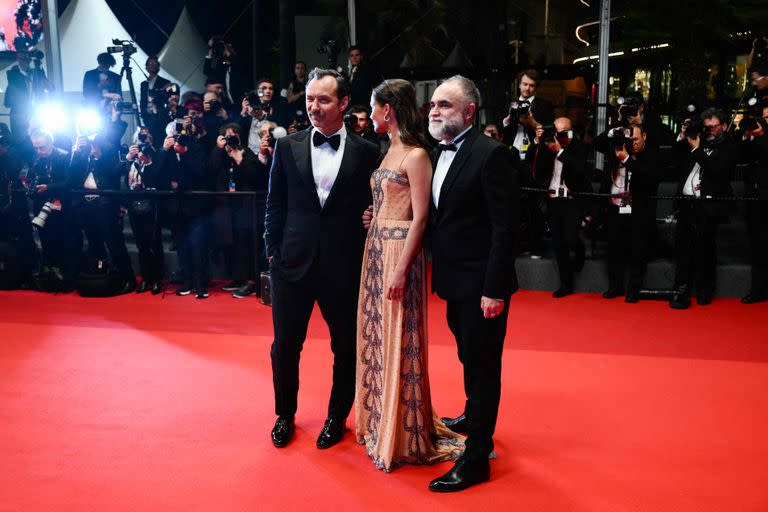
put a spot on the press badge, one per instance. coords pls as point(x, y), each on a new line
point(625, 209)
point(561, 192)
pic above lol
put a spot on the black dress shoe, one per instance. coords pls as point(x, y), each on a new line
point(612, 293)
point(244, 291)
point(157, 288)
point(703, 299)
point(563, 291)
point(143, 287)
point(184, 291)
point(753, 298)
point(232, 286)
point(128, 286)
point(465, 473)
point(632, 297)
point(202, 293)
point(681, 299)
point(457, 424)
point(332, 432)
point(282, 433)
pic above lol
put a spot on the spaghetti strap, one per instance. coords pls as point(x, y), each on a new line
point(400, 165)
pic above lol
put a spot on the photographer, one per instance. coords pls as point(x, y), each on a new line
point(239, 169)
point(214, 113)
point(630, 217)
point(526, 113)
point(223, 66)
point(95, 165)
point(49, 184)
point(185, 164)
point(559, 164)
point(26, 85)
point(361, 124)
point(162, 107)
point(295, 93)
point(707, 159)
point(258, 106)
point(144, 174)
point(101, 84)
point(633, 111)
point(755, 146)
point(151, 87)
point(362, 78)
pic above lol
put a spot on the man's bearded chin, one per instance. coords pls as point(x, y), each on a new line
point(447, 129)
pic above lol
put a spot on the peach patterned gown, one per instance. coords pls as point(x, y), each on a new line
point(394, 417)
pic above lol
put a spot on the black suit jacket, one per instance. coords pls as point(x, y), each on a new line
point(91, 90)
point(717, 165)
point(18, 94)
point(144, 89)
point(474, 228)
point(574, 159)
point(298, 231)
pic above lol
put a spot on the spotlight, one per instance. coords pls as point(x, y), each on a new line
point(88, 123)
point(51, 117)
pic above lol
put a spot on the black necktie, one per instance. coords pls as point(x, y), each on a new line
point(318, 139)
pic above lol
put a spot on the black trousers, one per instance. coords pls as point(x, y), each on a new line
point(630, 237)
point(191, 236)
point(480, 342)
point(564, 217)
point(695, 248)
point(292, 304)
point(757, 219)
point(102, 225)
point(146, 231)
point(244, 246)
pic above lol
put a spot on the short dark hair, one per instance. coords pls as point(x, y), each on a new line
point(354, 47)
point(342, 84)
point(152, 57)
point(358, 109)
point(265, 80)
point(214, 80)
point(715, 112)
point(235, 127)
point(106, 59)
point(300, 62)
point(530, 73)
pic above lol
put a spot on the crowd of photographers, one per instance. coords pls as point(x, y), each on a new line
point(221, 139)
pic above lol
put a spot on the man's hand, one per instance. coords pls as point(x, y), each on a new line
point(40, 189)
point(396, 286)
point(133, 152)
point(554, 145)
point(245, 109)
point(491, 307)
point(264, 148)
point(539, 133)
point(368, 217)
point(169, 142)
point(82, 143)
point(529, 121)
point(694, 142)
point(622, 153)
point(174, 185)
point(221, 142)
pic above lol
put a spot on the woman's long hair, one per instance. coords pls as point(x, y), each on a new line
point(400, 95)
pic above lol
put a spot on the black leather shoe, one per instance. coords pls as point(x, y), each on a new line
point(202, 293)
point(157, 288)
point(244, 291)
point(465, 473)
point(332, 432)
point(143, 287)
point(633, 296)
point(612, 293)
point(457, 424)
point(703, 299)
point(184, 291)
point(232, 286)
point(681, 299)
point(128, 287)
point(753, 298)
point(282, 433)
point(563, 291)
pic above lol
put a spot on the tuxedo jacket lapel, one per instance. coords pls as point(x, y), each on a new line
point(303, 158)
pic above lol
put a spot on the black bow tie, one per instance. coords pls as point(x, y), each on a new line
point(318, 139)
point(453, 145)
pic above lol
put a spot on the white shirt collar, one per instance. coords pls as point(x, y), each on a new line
point(341, 131)
point(529, 99)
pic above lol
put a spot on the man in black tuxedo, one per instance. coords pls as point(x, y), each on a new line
point(150, 87)
point(319, 187)
point(26, 84)
point(630, 221)
point(559, 164)
point(474, 215)
point(100, 84)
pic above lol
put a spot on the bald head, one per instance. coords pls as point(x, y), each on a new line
point(563, 124)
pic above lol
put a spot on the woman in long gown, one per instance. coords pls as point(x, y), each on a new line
point(394, 416)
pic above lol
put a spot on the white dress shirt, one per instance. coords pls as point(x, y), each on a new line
point(520, 135)
point(326, 163)
point(443, 164)
point(692, 185)
point(557, 175)
point(620, 182)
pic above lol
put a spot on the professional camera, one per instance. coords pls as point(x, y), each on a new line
point(124, 107)
point(218, 48)
point(694, 128)
point(350, 120)
point(45, 211)
point(125, 47)
point(519, 109)
point(619, 136)
point(147, 150)
point(233, 141)
point(36, 54)
point(330, 48)
point(754, 115)
point(215, 106)
point(182, 137)
point(628, 107)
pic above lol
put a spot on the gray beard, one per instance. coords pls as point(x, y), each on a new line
point(448, 130)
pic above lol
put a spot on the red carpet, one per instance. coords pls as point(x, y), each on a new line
point(142, 404)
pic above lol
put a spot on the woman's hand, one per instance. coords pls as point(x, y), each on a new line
point(368, 217)
point(396, 286)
